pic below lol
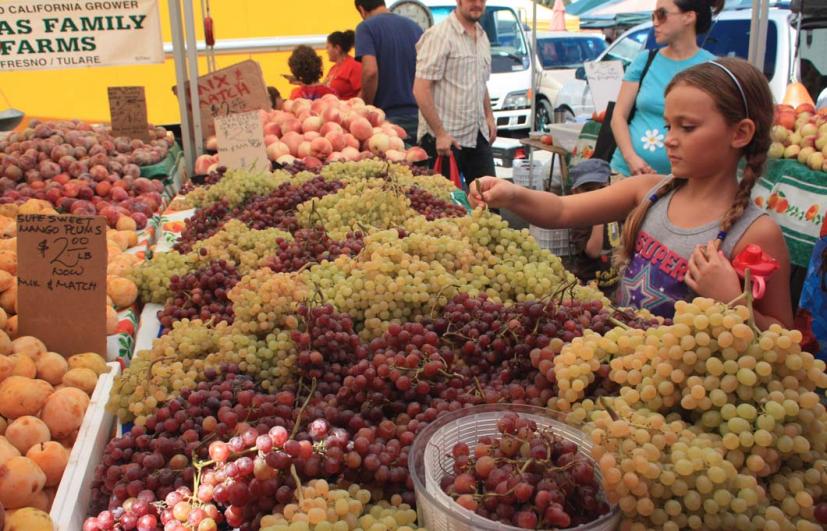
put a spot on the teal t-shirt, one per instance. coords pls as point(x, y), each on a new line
point(648, 129)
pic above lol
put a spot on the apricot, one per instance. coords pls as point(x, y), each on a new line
point(20, 396)
point(126, 223)
point(26, 432)
point(30, 346)
point(63, 411)
point(51, 367)
point(3, 320)
point(83, 379)
point(8, 299)
point(6, 280)
point(8, 261)
point(7, 450)
point(7, 366)
point(29, 519)
point(111, 320)
point(11, 326)
point(23, 366)
point(123, 291)
point(88, 360)
point(20, 479)
point(51, 457)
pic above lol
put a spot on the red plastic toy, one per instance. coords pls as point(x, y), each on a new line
point(760, 264)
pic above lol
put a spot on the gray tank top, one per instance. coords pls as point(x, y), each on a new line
point(654, 276)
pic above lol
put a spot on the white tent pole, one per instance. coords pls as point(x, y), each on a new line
point(758, 33)
point(533, 60)
point(181, 80)
point(533, 99)
point(192, 59)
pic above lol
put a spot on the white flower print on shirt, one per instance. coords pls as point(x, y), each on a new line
point(652, 139)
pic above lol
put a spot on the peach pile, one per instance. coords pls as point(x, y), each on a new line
point(801, 134)
point(327, 130)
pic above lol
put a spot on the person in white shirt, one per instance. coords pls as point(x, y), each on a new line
point(453, 63)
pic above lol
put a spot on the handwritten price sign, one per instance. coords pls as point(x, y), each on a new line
point(62, 281)
point(241, 141)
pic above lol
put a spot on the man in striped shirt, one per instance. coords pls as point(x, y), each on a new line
point(453, 63)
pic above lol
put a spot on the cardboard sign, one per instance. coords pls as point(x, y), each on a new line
point(235, 89)
point(127, 108)
point(241, 141)
point(50, 35)
point(605, 78)
point(61, 281)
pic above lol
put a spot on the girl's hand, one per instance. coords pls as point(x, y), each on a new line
point(711, 275)
point(493, 192)
point(638, 166)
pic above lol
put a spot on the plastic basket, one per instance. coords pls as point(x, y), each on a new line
point(532, 178)
point(430, 459)
point(558, 241)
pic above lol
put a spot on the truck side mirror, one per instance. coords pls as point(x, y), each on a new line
point(580, 73)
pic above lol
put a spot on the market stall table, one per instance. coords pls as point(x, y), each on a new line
point(556, 152)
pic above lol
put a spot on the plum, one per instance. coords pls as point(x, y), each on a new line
point(140, 219)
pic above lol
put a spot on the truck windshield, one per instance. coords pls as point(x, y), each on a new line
point(509, 51)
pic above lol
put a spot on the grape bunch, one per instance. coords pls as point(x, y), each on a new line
point(236, 187)
point(277, 209)
point(153, 276)
point(322, 506)
point(327, 344)
point(312, 246)
point(207, 180)
point(203, 224)
point(430, 206)
point(157, 454)
point(202, 294)
point(138, 512)
point(525, 476)
point(717, 424)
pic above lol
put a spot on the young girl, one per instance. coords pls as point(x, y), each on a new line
point(683, 230)
point(306, 67)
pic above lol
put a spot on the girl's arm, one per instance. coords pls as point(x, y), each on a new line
point(776, 305)
point(595, 244)
point(612, 203)
point(620, 128)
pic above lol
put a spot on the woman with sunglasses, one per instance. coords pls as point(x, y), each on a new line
point(640, 143)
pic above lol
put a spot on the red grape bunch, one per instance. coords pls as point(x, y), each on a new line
point(201, 294)
point(312, 246)
point(526, 477)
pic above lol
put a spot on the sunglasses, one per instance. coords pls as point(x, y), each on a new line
point(661, 14)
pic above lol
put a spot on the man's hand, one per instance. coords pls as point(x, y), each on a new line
point(492, 128)
point(444, 142)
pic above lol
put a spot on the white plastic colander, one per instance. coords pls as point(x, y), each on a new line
point(430, 460)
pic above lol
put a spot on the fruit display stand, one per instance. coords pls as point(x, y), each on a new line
point(795, 196)
point(72, 497)
point(319, 323)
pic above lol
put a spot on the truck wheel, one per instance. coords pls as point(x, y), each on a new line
point(544, 115)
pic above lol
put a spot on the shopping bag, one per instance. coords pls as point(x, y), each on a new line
point(454, 174)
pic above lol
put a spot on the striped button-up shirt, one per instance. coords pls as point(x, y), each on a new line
point(459, 66)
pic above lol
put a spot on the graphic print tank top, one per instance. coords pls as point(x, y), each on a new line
point(654, 277)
